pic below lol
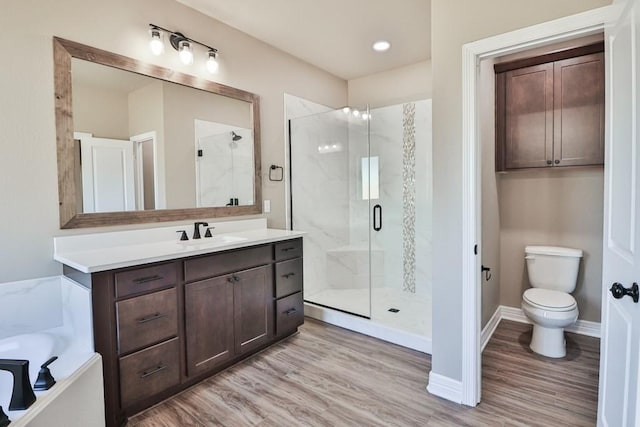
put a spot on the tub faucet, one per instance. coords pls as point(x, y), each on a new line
point(196, 228)
point(22, 395)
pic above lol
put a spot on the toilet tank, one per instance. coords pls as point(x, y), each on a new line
point(553, 267)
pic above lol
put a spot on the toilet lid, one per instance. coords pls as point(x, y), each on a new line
point(549, 299)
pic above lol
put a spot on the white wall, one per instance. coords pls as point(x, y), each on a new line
point(397, 86)
point(490, 210)
point(28, 188)
point(454, 24)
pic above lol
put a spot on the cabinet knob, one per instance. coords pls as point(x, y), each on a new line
point(549, 162)
point(557, 162)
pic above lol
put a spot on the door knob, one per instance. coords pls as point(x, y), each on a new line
point(618, 291)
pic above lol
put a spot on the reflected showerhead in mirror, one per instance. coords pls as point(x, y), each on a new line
point(235, 137)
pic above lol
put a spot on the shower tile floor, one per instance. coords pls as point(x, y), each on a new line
point(414, 313)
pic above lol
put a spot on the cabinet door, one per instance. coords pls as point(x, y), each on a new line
point(579, 111)
point(253, 300)
point(209, 323)
point(528, 127)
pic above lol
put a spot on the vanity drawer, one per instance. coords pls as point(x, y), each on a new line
point(216, 265)
point(146, 320)
point(146, 279)
point(289, 313)
point(288, 277)
point(149, 372)
point(288, 249)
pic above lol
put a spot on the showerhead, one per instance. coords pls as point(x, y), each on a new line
point(235, 136)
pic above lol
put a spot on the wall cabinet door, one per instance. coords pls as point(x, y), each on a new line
point(579, 111)
point(209, 323)
point(253, 312)
point(529, 117)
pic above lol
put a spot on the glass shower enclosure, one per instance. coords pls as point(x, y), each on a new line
point(361, 188)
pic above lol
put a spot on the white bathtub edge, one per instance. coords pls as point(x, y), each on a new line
point(46, 398)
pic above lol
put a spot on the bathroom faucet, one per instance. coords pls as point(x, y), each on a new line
point(196, 228)
point(22, 395)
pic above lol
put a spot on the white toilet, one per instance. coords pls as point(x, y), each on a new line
point(553, 272)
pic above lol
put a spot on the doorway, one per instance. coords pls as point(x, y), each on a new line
point(531, 205)
point(563, 29)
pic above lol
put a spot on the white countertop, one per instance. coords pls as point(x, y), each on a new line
point(104, 252)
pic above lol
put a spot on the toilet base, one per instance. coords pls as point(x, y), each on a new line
point(548, 341)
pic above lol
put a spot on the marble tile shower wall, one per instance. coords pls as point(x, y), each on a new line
point(321, 198)
point(226, 169)
point(387, 132)
point(328, 202)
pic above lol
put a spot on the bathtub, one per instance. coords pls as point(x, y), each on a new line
point(77, 397)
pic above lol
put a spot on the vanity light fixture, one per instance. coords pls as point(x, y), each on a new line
point(185, 52)
point(212, 62)
point(184, 46)
point(156, 44)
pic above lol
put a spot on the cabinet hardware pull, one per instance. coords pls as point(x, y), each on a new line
point(155, 316)
point(233, 279)
point(147, 279)
point(155, 370)
point(287, 249)
point(286, 276)
point(289, 312)
point(557, 162)
point(549, 162)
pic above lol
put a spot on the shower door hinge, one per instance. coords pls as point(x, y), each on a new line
point(475, 249)
point(200, 153)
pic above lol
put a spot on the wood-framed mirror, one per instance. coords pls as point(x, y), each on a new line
point(138, 143)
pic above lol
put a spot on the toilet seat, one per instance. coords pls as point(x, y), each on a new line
point(550, 300)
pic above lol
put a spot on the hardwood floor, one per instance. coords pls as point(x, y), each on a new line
point(328, 376)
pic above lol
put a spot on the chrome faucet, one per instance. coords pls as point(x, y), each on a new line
point(22, 395)
point(196, 228)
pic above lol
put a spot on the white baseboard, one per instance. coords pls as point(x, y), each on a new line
point(490, 328)
point(582, 327)
point(445, 387)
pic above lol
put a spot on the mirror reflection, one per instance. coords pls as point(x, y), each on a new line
point(142, 143)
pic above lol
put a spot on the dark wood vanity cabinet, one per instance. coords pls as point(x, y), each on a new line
point(162, 327)
point(550, 110)
point(288, 287)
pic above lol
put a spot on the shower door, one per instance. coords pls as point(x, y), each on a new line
point(333, 181)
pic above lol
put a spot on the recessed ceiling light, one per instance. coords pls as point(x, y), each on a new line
point(381, 46)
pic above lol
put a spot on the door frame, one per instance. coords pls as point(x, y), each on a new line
point(138, 140)
point(567, 28)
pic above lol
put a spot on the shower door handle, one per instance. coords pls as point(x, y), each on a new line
point(377, 217)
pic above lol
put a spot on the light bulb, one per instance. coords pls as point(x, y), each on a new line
point(212, 62)
point(346, 110)
point(186, 55)
point(356, 113)
point(156, 44)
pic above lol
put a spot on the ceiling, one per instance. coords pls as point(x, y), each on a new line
point(335, 35)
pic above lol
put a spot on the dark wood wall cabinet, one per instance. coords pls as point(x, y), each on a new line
point(550, 110)
point(163, 327)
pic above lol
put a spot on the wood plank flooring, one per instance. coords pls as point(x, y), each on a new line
point(328, 376)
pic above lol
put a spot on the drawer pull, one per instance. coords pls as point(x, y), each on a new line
point(147, 279)
point(286, 276)
point(155, 316)
point(160, 368)
point(290, 312)
point(287, 249)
